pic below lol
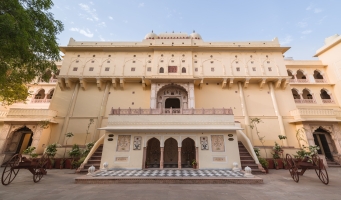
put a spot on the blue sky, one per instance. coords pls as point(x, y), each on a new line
point(300, 24)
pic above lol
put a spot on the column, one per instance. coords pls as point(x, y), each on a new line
point(144, 158)
point(197, 156)
point(153, 96)
point(245, 113)
point(100, 116)
point(280, 119)
point(161, 158)
point(179, 157)
point(191, 97)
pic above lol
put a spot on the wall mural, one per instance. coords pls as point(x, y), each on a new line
point(137, 143)
point(123, 143)
point(204, 143)
point(217, 143)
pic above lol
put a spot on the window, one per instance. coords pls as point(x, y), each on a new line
point(133, 61)
point(107, 69)
point(238, 69)
point(79, 55)
point(149, 69)
point(172, 69)
point(149, 61)
point(109, 55)
point(92, 61)
point(172, 61)
point(270, 69)
point(183, 61)
point(236, 62)
point(132, 69)
point(161, 55)
point(195, 55)
point(172, 55)
point(134, 55)
point(253, 69)
point(149, 55)
point(161, 70)
point(212, 62)
point(75, 69)
point(251, 62)
point(183, 70)
point(212, 69)
point(77, 61)
point(195, 61)
point(91, 69)
point(108, 61)
point(161, 61)
point(93, 55)
point(196, 69)
point(268, 62)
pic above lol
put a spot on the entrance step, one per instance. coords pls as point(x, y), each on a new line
point(331, 163)
point(247, 160)
point(95, 160)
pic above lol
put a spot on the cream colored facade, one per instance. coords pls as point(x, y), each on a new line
point(175, 85)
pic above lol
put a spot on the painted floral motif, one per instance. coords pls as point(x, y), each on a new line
point(218, 143)
point(137, 143)
point(123, 143)
point(204, 143)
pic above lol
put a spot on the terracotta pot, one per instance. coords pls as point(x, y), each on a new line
point(271, 164)
point(266, 170)
point(194, 166)
point(57, 163)
point(279, 164)
point(68, 163)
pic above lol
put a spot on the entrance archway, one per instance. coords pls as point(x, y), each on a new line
point(324, 141)
point(187, 153)
point(153, 153)
point(20, 140)
point(171, 153)
point(172, 103)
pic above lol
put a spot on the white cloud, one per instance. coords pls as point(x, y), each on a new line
point(110, 17)
point(286, 40)
point(86, 33)
point(141, 4)
point(91, 12)
point(92, 3)
point(321, 20)
point(102, 24)
point(302, 24)
point(317, 10)
point(310, 7)
point(306, 32)
point(101, 38)
point(90, 19)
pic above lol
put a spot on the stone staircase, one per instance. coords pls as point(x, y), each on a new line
point(247, 160)
point(95, 160)
point(331, 163)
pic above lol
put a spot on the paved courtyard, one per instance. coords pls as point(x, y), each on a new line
point(59, 184)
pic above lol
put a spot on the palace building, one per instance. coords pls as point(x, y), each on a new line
point(173, 98)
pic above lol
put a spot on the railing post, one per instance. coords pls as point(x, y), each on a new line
point(129, 111)
point(202, 111)
point(213, 111)
point(140, 111)
point(119, 111)
point(171, 111)
point(192, 110)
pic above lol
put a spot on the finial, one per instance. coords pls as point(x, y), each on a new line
point(152, 31)
point(173, 31)
point(193, 31)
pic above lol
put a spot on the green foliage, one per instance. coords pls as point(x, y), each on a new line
point(263, 162)
point(91, 121)
point(88, 148)
point(78, 163)
point(253, 125)
point(282, 137)
point(307, 152)
point(30, 151)
point(276, 151)
point(28, 46)
point(257, 151)
point(44, 124)
point(194, 162)
point(51, 149)
point(75, 151)
point(68, 135)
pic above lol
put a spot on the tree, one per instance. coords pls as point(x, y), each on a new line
point(28, 46)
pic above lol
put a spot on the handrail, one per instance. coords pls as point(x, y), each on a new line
point(242, 137)
point(99, 142)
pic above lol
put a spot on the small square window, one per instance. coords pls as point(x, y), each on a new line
point(109, 55)
point(93, 55)
point(268, 62)
point(270, 69)
point(92, 61)
point(75, 69)
point(253, 69)
point(195, 55)
point(195, 61)
point(107, 69)
point(132, 69)
point(149, 55)
point(133, 61)
point(91, 69)
point(132, 103)
point(161, 61)
point(251, 62)
point(238, 69)
point(236, 62)
point(206, 83)
point(172, 60)
point(196, 69)
point(183, 61)
point(77, 61)
point(161, 55)
point(212, 62)
point(134, 55)
point(79, 55)
point(172, 55)
point(212, 69)
point(183, 55)
point(133, 92)
point(149, 61)
point(108, 61)
point(149, 69)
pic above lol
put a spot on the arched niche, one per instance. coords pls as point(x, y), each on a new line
point(173, 92)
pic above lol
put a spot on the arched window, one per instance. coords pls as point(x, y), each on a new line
point(317, 75)
point(295, 94)
point(324, 94)
point(306, 94)
point(50, 95)
point(183, 70)
point(40, 94)
point(290, 74)
point(161, 70)
point(300, 75)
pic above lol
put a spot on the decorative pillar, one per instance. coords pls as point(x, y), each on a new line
point(100, 116)
point(279, 116)
point(36, 137)
point(144, 157)
point(153, 96)
point(197, 156)
point(45, 97)
point(161, 158)
point(179, 157)
point(245, 113)
point(309, 134)
point(191, 96)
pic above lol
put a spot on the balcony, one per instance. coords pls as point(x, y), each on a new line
point(41, 101)
point(328, 101)
point(20, 114)
point(299, 81)
point(305, 101)
point(321, 81)
point(172, 111)
point(303, 114)
point(3, 113)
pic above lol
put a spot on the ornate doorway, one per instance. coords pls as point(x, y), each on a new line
point(21, 139)
point(171, 153)
point(187, 153)
point(153, 153)
point(323, 140)
point(172, 96)
point(172, 103)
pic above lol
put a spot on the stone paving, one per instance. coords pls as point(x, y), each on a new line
point(60, 184)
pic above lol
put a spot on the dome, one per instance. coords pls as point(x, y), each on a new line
point(195, 35)
point(151, 35)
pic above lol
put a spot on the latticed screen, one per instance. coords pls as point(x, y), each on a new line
point(172, 69)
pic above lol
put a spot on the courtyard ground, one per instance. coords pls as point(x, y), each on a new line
point(59, 184)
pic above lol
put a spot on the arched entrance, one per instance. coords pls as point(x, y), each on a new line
point(187, 153)
point(153, 153)
point(20, 140)
point(172, 103)
point(323, 140)
point(171, 153)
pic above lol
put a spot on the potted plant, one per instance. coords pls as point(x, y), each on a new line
point(30, 151)
point(282, 138)
point(62, 161)
point(74, 153)
point(276, 155)
point(264, 164)
point(51, 151)
point(194, 163)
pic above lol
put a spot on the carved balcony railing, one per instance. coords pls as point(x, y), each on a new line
point(41, 101)
point(299, 81)
point(172, 111)
point(3, 113)
point(313, 113)
point(320, 80)
point(305, 101)
point(327, 101)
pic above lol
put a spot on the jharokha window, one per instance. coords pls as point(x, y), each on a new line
point(172, 69)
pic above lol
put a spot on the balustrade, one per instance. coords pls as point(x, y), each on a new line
point(305, 101)
point(327, 101)
point(172, 111)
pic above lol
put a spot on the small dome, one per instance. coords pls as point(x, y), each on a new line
point(195, 35)
point(151, 35)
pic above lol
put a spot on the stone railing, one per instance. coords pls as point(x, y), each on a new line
point(320, 80)
point(3, 113)
point(305, 101)
point(19, 112)
point(172, 111)
point(299, 81)
point(315, 112)
point(327, 101)
point(41, 101)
